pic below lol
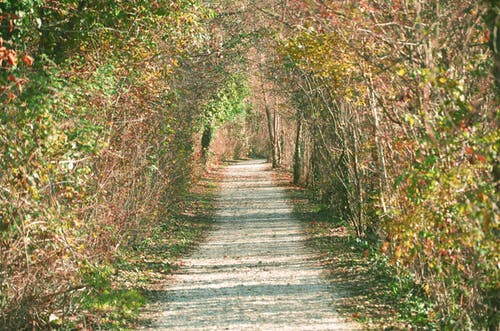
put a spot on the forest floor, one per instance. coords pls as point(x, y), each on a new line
point(254, 269)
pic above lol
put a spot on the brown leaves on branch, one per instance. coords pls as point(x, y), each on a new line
point(8, 61)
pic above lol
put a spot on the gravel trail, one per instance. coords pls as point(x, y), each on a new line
point(254, 271)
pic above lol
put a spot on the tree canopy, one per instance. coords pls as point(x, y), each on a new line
point(388, 111)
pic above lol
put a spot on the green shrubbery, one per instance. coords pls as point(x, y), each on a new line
point(94, 151)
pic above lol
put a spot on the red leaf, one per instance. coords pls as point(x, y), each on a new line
point(486, 36)
point(11, 97)
point(12, 58)
point(28, 60)
point(481, 158)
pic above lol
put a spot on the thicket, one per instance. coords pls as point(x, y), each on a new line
point(96, 142)
point(387, 110)
point(397, 132)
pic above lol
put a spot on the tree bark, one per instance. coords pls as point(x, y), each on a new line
point(276, 144)
point(297, 158)
point(206, 139)
point(383, 177)
point(270, 127)
point(492, 19)
point(273, 128)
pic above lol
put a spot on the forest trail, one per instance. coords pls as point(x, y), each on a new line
point(254, 271)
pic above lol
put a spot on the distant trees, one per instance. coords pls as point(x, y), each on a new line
point(226, 105)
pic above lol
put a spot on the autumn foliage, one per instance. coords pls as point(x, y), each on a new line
point(400, 113)
point(387, 110)
point(95, 151)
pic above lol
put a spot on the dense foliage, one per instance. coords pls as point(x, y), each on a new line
point(401, 117)
point(388, 110)
point(96, 150)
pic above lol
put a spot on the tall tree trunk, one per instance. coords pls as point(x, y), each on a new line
point(383, 177)
point(492, 19)
point(276, 144)
point(206, 139)
point(270, 127)
point(273, 128)
point(297, 157)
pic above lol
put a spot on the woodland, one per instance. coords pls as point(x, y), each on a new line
point(387, 111)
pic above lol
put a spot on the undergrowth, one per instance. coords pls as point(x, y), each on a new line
point(376, 292)
point(369, 288)
point(115, 293)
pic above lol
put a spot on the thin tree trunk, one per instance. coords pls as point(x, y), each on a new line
point(270, 128)
point(206, 139)
point(297, 158)
point(383, 178)
point(276, 143)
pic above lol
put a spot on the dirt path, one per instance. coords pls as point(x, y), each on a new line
point(254, 271)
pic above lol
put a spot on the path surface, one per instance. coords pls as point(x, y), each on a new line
point(254, 271)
